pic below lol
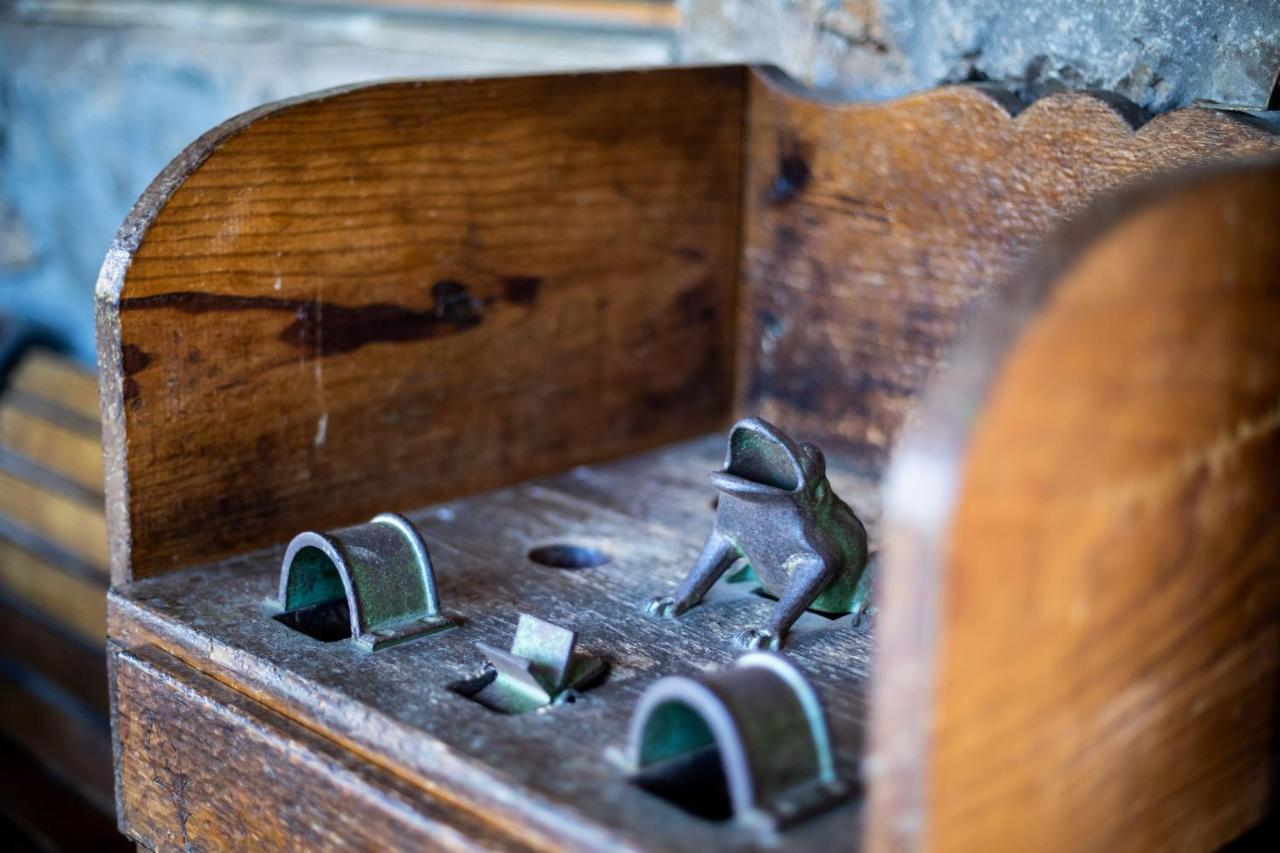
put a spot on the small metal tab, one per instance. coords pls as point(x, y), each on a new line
point(749, 741)
point(540, 669)
point(377, 577)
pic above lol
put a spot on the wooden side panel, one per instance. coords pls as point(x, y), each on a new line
point(1100, 540)
point(873, 229)
point(378, 298)
point(203, 767)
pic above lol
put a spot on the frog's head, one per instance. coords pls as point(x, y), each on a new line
point(763, 463)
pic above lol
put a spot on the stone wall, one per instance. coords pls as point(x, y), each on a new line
point(96, 97)
point(1159, 53)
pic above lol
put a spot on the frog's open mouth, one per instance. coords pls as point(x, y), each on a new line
point(761, 461)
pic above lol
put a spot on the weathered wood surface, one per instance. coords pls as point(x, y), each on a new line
point(871, 230)
point(76, 745)
point(73, 522)
point(73, 600)
point(202, 767)
point(53, 588)
point(545, 777)
point(409, 293)
point(68, 661)
point(53, 536)
point(67, 450)
point(37, 812)
point(58, 381)
point(376, 298)
point(1081, 643)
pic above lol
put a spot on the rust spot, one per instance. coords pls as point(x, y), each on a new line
point(793, 173)
point(521, 289)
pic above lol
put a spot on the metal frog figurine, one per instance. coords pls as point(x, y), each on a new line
point(778, 512)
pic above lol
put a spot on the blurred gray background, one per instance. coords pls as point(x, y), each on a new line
point(95, 97)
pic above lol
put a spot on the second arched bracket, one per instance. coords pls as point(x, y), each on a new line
point(372, 582)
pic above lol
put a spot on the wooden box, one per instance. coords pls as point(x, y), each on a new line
point(1042, 352)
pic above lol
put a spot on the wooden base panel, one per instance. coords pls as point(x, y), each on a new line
point(546, 778)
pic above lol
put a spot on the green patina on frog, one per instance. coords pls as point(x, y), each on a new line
point(778, 512)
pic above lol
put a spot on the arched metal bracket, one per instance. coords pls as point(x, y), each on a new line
point(381, 570)
point(759, 720)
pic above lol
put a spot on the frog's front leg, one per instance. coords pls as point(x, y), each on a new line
point(862, 595)
point(718, 554)
point(808, 577)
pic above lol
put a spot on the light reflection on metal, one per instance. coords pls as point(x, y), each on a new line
point(377, 576)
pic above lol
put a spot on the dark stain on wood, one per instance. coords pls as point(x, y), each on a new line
point(521, 289)
point(324, 328)
point(697, 304)
point(132, 360)
point(793, 174)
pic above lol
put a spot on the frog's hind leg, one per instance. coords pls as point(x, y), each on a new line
point(808, 577)
point(718, 554)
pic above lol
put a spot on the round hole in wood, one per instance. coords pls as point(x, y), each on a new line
point(562, 555)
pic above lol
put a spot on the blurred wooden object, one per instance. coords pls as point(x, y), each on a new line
point(40, 813)
point(1091, 600)
point(406, 294)
point(53, 576)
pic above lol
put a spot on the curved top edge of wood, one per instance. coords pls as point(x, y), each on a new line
point(924, 475)
point(1002, 105)
point(128, 238)
point(999, 106)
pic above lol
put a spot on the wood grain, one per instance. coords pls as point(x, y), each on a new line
point(75, 524)
point(371, 299)
point(56, 654)
point(74, 745)
point(76, 602)
point(66, 451)
point(871, 231)
point(46, 814)
point(1082, 545)
point(59, 380)
point(544, 778)
point(397, 295)
point(183, 737)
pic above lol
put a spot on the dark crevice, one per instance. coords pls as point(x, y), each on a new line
point(327, 622)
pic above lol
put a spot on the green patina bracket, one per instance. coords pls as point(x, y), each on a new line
point(379, 573)
point(756, 728)
point(541, 669)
